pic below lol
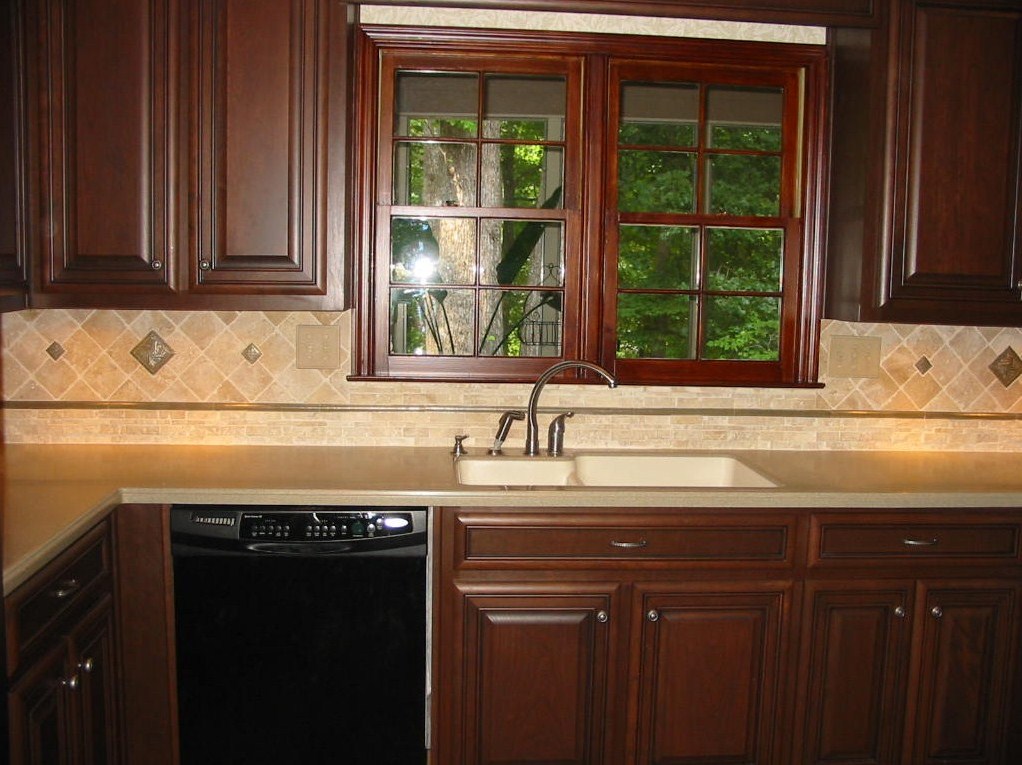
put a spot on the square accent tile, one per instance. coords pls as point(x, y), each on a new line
point(251, 353)
point(1007, 366)
point(152, 352)
point(55, 350)
point(924, 365)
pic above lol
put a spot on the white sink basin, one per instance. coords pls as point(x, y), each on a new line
point(618, 469)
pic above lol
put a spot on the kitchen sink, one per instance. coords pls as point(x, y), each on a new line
point(612, 469)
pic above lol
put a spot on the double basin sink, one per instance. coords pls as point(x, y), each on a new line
point(612, 469)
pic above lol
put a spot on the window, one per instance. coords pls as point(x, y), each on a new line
point(646, 204)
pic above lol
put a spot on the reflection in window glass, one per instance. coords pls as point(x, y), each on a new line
point(652, 326)
point(656, 181)
point(658, 114)
point(739, 184)
point(432, 250)
point(746, 328)
point(521, 252)
point(520, 323)
point(657, 257)
point(744, 259)
point(744, 118)
point(431, 322)
point(522, 175)
point(435, 174)
point(524, 108)
point(435, 105)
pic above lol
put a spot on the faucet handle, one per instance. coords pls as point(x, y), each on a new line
point(555, 435)
point(459, 447)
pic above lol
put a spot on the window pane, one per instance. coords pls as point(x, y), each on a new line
point(431, 322)
point(524, 108)
point(521, 252)
point(436, 105)
point(744, 259)
point(657, 257)
point(744, 185)
point(742, 328)
point(655, 326)
point(658, 114)
point(432, 250)
point(522, 175)
point(521, 323)
point(744, 118)
point(656, 181)
point(435, 174)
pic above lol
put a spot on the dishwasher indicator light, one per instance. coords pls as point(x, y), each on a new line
point(395, 523)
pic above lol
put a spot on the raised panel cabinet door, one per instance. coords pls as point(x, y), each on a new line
point(41, 727)
point(711, 665)
point(533, 675)
point(955, 232)
point(94, 662)
point(12, 195)
point(853, 669)
point(259, 143)
point(970, 638)
point(104, 79)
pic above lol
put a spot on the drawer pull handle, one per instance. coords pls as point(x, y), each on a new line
point(919, 542)
point(66, 588)
point(629, 545)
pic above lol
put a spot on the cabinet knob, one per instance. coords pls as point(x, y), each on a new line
point(204, 265)
point(86, 665)
point(71, 683)
point(156, 265)
point(937, 612)
point(652, 615)
point(602, 617)
point(900, 612)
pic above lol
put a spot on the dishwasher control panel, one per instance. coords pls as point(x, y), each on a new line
point(329, 525)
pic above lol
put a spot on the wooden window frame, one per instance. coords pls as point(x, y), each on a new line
point(590, 231)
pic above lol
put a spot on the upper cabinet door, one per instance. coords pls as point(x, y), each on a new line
point(259, 142)
point(103, 84)
point(12, 197)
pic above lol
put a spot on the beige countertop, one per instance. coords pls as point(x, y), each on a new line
point(53, 493)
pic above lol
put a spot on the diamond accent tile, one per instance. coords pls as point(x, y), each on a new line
point(152, 352)
point(923, 365)
point(251, 353)
point(1007, 366)
point(55, 350)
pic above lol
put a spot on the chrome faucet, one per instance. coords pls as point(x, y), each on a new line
point(532, 425)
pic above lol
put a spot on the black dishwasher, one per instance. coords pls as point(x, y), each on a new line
point(301, 634)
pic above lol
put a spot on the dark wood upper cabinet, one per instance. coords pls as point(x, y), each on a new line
point(186, 153)
point(12, 197)
point(926, 204)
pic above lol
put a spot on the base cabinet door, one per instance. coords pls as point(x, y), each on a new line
point(710, 670)
point(41, 728)
point(535, 669)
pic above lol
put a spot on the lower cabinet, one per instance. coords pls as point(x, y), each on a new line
point(651, 637)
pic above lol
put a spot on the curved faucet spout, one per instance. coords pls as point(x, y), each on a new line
point(532, 426)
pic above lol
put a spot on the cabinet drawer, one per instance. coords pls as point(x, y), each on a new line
point(834, 539)
point(70, 581)
point(626, 537)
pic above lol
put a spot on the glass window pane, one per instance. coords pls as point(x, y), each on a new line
point(744, 185)
point(435, 174)
point(524, 108)
point(518, 252)
point(742, 328)
point(520, 323)
point(655, 326)
point(431, 322)
point(656, 181)
point(657, 257)
point(744, 118)
point(436, 105)
point(658, 114)
point(432, 250)
point(522, 175)
point(744, 259)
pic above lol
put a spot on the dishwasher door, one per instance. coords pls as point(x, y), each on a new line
point(295, 653)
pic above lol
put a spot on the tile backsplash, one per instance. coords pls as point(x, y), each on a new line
point(78, 376)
